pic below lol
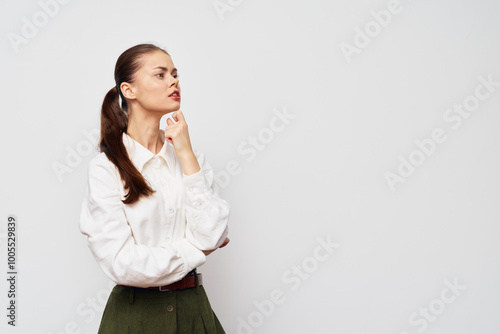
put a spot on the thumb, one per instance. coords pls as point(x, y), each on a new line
point(169, 121)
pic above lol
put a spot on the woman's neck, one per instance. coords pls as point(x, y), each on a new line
point(145, 131)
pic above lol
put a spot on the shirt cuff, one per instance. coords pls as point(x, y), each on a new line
point(193, 257)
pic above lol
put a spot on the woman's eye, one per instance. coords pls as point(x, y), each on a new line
point(176, 76)
point(160, 74)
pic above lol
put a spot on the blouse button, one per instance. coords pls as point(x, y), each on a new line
point(172, 210)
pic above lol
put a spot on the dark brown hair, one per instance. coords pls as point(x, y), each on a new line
point(114, 122)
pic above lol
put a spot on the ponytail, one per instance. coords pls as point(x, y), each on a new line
point(114, 123)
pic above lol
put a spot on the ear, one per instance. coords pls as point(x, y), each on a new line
point(128, 91)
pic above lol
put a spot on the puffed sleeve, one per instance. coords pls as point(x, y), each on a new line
point(110, 238)
point(207, 214)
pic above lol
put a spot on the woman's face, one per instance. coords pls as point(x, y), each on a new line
point(155, 82)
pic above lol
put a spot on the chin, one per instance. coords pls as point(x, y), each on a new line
point(171, 108)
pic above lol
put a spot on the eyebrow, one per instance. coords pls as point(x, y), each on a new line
point(164, 68)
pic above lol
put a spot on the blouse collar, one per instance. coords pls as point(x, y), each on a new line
point(140, 155)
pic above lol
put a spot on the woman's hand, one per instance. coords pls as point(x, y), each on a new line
point(223, 245)
point(177, 134)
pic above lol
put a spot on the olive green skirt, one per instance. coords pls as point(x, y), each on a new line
point(131, 310)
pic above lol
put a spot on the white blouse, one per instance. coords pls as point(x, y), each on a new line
point(160, 238)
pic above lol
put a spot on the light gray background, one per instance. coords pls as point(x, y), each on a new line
point(322, 176)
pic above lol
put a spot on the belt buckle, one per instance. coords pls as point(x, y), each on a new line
point(160, 288)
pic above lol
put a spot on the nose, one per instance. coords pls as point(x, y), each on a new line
point(175, 82)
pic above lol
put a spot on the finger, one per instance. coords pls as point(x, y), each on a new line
point(169, 121)
point(179, 116)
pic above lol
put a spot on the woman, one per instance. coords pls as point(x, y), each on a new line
point(150, 212)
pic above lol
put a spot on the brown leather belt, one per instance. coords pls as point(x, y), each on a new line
point(189, 281)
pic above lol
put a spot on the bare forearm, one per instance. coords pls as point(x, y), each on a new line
point(189, 163)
